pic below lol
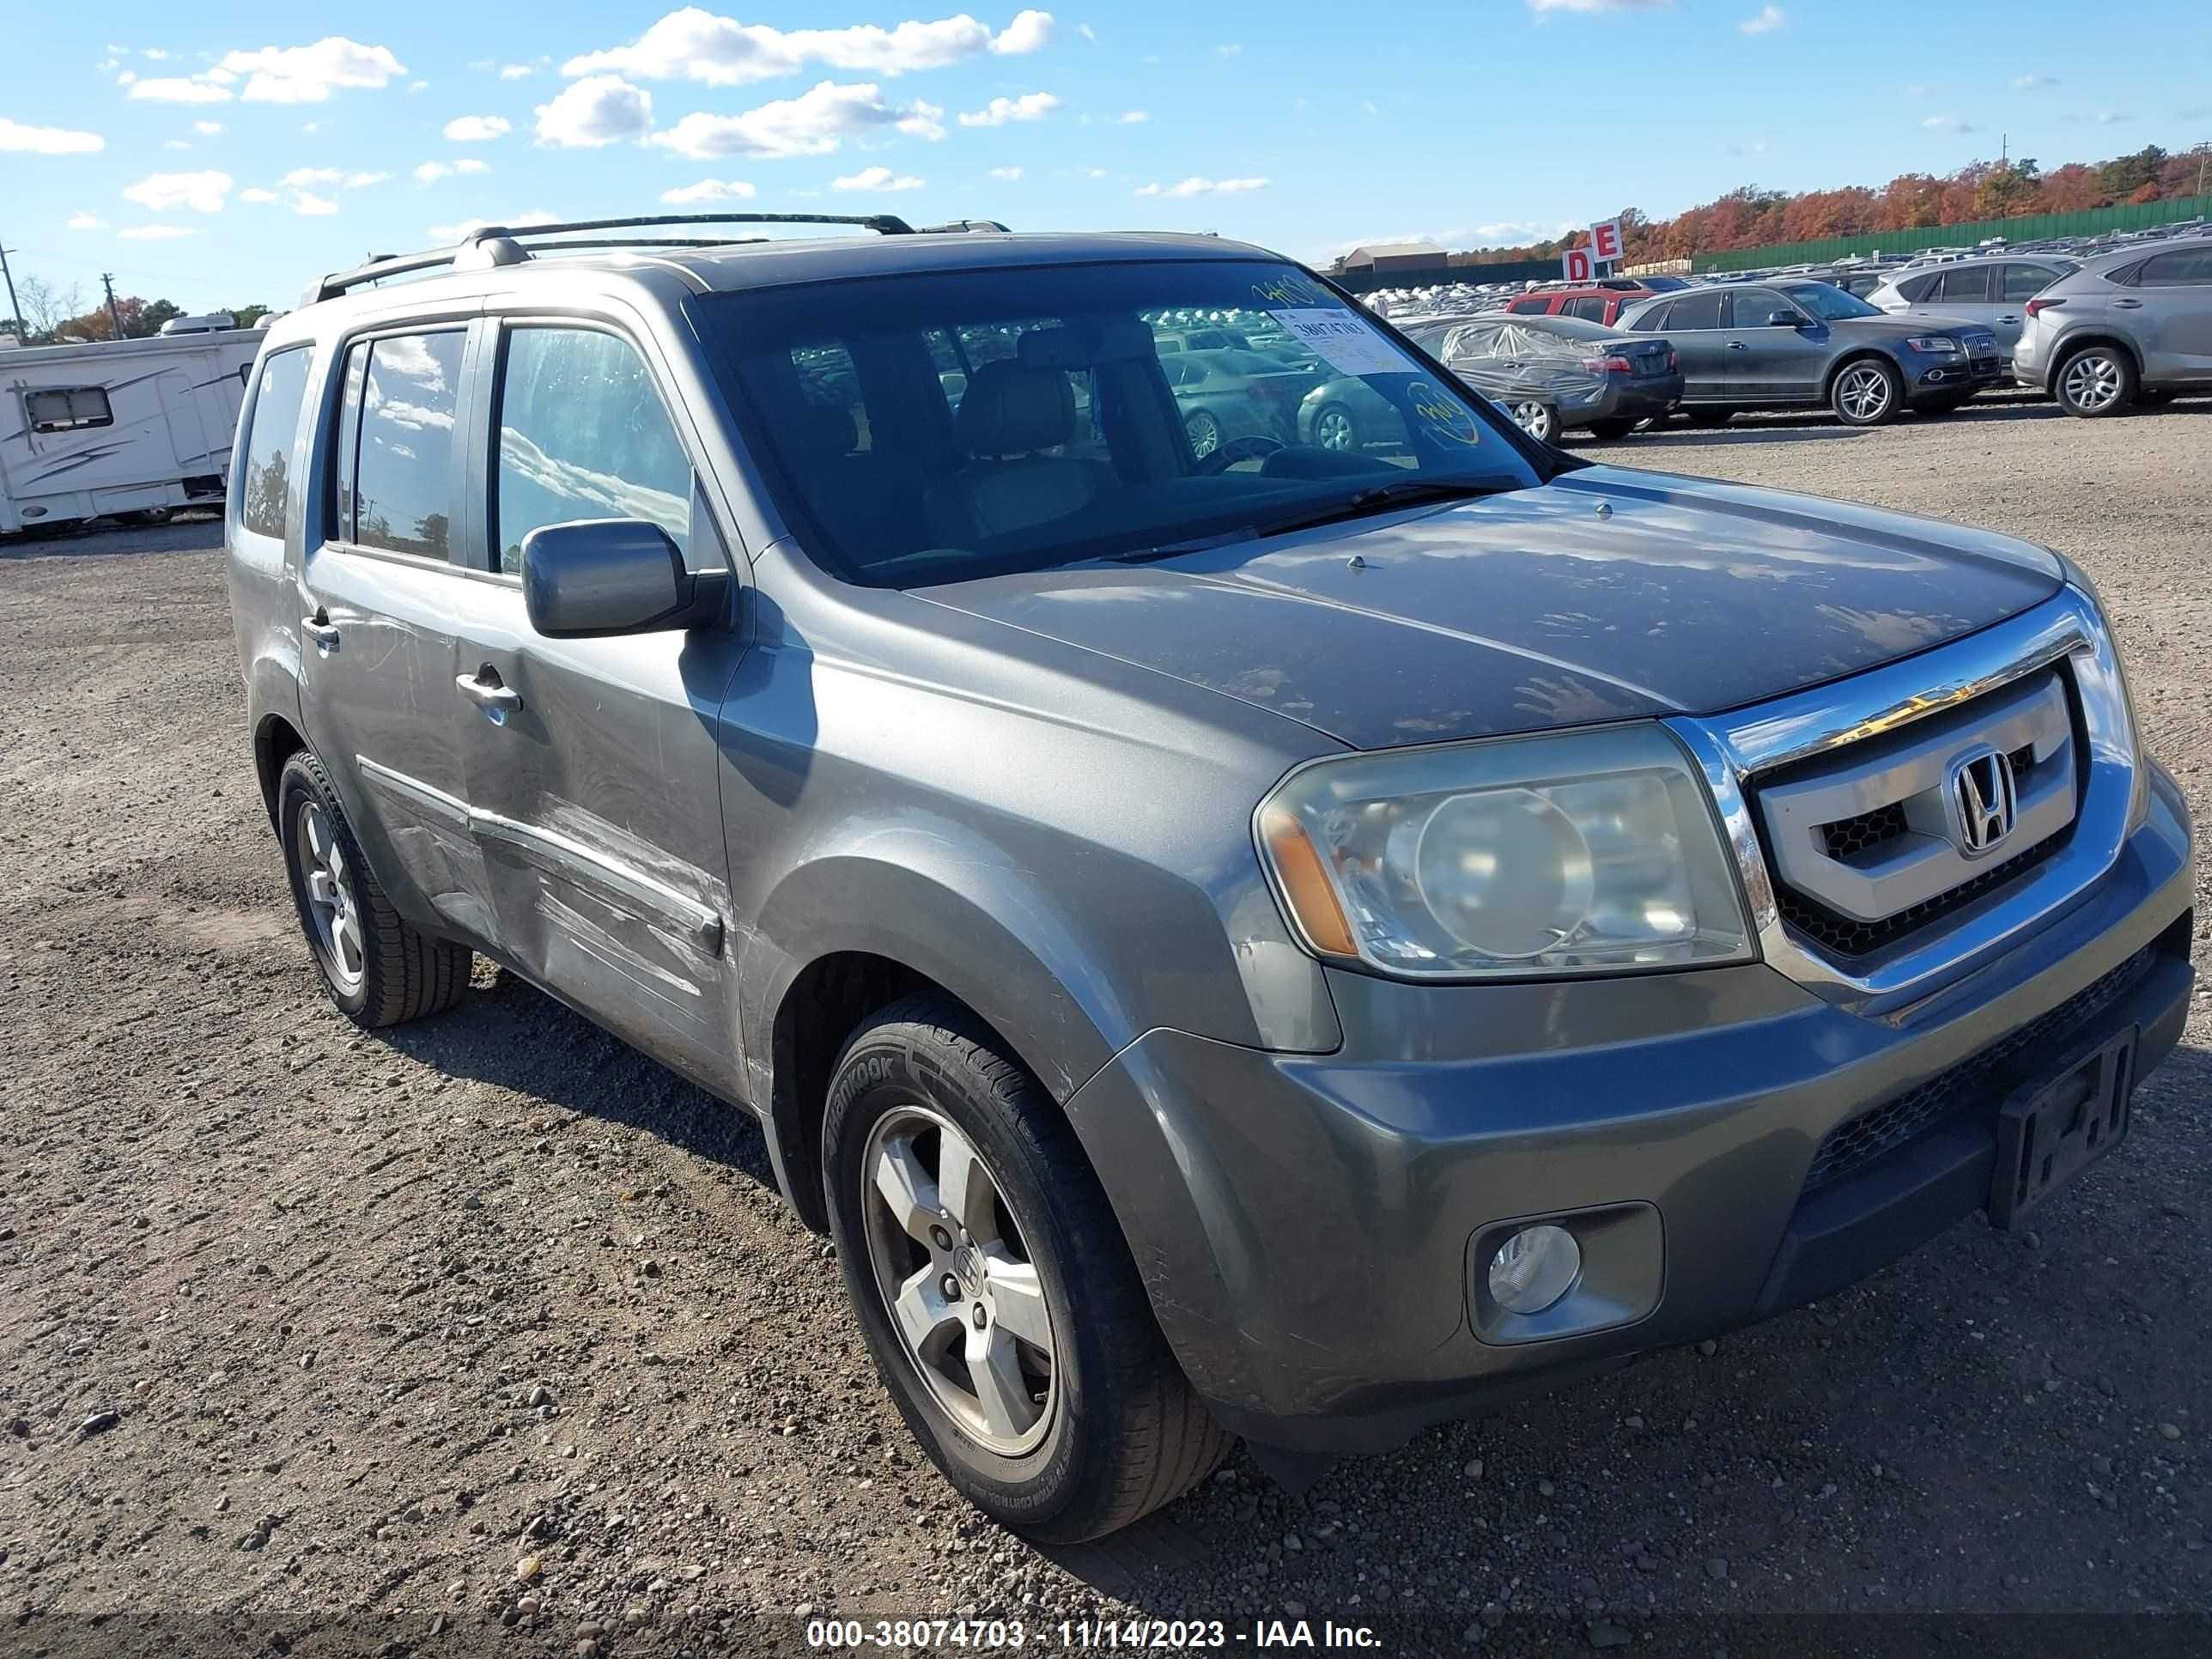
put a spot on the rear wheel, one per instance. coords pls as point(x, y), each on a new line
point(2096, 381)
point(1203, 433)
point(1866, 393)
point(994, 1286)
point(1612, 431)
point(379, 969)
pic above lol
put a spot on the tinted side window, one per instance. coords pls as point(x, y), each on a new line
point(268, 443)
point(1696, 311)
point(583, 435)
point(1537, 304)
point(2026, 281)
point(2184, 268)
point(1592, 308)
point(1917, 288)
point(396, 473)
point(1750, 308)
point(1970, 285)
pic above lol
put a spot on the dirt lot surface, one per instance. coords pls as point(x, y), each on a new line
point(489, 1335)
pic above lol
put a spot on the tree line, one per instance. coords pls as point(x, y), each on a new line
point(54, 315)
point(1750, 217)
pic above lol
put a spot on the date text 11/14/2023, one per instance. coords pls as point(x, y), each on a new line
point(1089, 1634)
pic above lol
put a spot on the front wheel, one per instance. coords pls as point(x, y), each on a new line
point(2096, 381)
point(1539, 420)
point(1334, 428)
point(1203, 433)
point(994, 1286)
point(1866, 393)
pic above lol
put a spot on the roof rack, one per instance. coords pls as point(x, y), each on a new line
point(493, 245)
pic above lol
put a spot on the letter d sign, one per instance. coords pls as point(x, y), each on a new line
point(1575, 265)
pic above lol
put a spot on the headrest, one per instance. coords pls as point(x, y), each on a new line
point(824, 431)
point(1009, 410)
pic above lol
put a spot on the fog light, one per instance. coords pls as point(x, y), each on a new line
point(1534, 1268)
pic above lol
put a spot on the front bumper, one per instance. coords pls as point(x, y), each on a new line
point(1304, 1224)
point(1932, 378)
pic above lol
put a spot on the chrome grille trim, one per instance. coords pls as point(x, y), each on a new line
point(1734, 749)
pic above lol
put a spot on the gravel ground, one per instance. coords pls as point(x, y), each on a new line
point(488, 1334)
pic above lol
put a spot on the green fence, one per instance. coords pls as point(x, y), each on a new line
point(2034, 227)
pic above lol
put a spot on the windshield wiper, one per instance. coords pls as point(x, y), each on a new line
point(1381, 498)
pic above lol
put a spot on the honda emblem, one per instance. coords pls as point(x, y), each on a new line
point(1982, 796)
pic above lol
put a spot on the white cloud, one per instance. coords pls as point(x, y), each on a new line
point(308, 75)
point(259, 197)
point(599, 109)
point(430, 172)
point(1769, 18)
point(514, 222)
point(1540, 7)
point(477, 129)
point(1195, 186)
point(695, 45)
point(517, 71)
point(207, 129)
point(1133, 117)
point(86, 221)
point(1949, 124)
point(1030, 31)
point(709, 191)
point(2103, 118)
point(176, 143)
point(1094, 173)
point(174, 89)
point(362, 180)
point(155, 53)
point(877, 178)
point(1006, 174)
point(813, 123)
point(2034, 82)
point(202, 192)
point(156, 233)
point(1029, 107)
point(417, 86)
point(1756, 147)
point(1087, 32)
point(1230, 49)
point(310, 205)
point(302, 177)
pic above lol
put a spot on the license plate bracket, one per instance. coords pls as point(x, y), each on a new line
point(2051, 1130)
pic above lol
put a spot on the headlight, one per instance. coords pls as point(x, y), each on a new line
point(1592, 853)
point(1935, 345)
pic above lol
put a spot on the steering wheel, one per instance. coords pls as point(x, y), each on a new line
point(1250, 447)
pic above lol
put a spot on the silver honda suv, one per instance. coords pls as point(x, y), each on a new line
point(2129, 327)
point(1285, 942)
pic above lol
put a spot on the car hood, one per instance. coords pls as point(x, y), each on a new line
point(1896, 325)
point(1607, 595)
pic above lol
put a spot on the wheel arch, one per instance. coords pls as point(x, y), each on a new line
point(1860, 354)
point(2070, 346)
point(276, 740)
point(847, 935)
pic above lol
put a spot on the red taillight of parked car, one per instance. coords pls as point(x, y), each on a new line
point(2035, 307)
point(1673, 363)
point(1608, 366)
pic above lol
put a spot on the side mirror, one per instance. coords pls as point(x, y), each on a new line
point(595, 577)
point(1782, 319)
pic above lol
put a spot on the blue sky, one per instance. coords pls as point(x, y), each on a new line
point(218, 155)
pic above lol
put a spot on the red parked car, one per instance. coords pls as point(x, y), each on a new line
point(1601, 301)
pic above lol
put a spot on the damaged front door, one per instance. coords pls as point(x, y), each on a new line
point(591, 766)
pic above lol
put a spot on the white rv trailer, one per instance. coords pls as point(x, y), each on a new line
point(139, 427)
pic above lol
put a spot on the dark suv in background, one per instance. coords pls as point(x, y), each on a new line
point(1802, 345)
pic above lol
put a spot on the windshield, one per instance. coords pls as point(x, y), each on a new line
point(925, 429)
point(1830, 304)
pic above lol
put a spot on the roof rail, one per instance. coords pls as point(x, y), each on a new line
point(500, 244)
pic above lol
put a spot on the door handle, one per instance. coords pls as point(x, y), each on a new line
point(2128, 304)
point(484, 689)
point(2007, 319)
point(319, 629)
point(1737, 345)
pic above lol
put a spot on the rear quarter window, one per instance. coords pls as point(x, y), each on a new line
point(279, 390)
point(398, 432)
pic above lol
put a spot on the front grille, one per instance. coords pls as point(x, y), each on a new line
point(1847, 938)
point(1855, 880)
point(1975, 1083)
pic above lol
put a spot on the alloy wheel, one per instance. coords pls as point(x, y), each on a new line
point(329, 898)
point(1864, 392)
point(966, 1298)
point(2092, 382)
point(1204, 432)
point(1333, 430)
point(1535, 419)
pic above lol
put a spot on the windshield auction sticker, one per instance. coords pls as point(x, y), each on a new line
point(1342, 341)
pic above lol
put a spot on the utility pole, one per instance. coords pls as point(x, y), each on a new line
point(114, 321)
point(16, 311)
